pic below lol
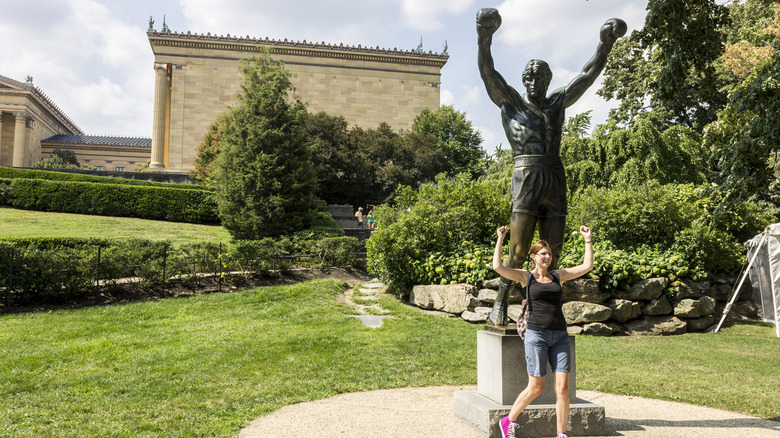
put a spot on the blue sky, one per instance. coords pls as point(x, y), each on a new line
point(93, 59)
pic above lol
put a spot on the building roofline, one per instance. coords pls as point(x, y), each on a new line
point(49, 103)
point(248, 43)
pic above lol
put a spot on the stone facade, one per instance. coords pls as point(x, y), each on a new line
point(27, 116)
point(197, 77)
point(104, 153)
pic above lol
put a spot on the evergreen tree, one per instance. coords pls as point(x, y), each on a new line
point(263, 176)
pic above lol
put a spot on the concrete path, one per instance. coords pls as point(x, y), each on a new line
point(429, 413)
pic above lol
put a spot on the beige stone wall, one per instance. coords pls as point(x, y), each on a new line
point(103, 157)
point(366, 86)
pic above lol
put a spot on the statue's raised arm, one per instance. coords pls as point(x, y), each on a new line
point(488, 22)
point(613, 29)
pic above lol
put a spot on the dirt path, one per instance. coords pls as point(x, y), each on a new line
point(363, 298)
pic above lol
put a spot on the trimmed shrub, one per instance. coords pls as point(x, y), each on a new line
point(13, 172)
point(146, 202)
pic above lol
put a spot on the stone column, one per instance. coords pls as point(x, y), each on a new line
point(20, 138)
point(158, 124)
point(1, 139)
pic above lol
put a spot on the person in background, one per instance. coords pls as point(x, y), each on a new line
point(370, 219)
point(359, 216)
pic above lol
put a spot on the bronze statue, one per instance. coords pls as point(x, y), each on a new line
point(533, 123)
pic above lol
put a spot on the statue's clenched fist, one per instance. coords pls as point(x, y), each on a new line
point(488, 21)
point(613, 29)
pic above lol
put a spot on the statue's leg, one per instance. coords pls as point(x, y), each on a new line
point(553, 230)
point(521, 232)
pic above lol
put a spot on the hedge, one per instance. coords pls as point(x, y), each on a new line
point(13, 172)
point(146, 202)
point(36, 271)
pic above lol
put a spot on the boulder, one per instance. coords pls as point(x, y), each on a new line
point(578, 312)
point(720, 291)
point(574, 330)
point(616, 329)
point(479, 314)
point(623, 310)
point(487, 295)
point(658, 306)
point(745, 310)
point(687, 308)
point(656, 325)
point(513, 311)
point(597, 329)
point(690, 289)
point(492, 283)
point(648, 289)
point(583, 289)
point(746, 291)
point(707, 305)
point(699, 324)
point(450, 298)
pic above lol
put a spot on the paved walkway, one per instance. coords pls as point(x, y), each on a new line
point(429, 413)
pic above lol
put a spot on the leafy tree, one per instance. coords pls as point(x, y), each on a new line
point(616, 156)
point(746, 134)
point(744, 139)
point(263, 176)
point(59, 159)
point(455, 138)
point(363, 166)
point(670, 64)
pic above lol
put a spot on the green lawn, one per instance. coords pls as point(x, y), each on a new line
point(210, 364)
point(26, 223)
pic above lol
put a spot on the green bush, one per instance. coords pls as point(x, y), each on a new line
point(671, 217)
point(619, 269)
point(57, 270)
point(13, 172)
point(436, 220)
point(146, 202)
point(6, 197)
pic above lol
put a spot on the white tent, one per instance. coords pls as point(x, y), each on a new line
point(764, 267)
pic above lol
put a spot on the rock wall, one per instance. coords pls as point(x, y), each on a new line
point(649, 307)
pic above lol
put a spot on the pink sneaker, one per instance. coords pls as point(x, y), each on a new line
point(507, 427)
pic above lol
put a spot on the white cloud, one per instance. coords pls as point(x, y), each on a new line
point(427, 15)
point(446, 97)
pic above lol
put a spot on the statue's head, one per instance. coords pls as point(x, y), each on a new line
point(536, 77)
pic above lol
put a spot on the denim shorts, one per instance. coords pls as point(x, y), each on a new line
point(547, 345)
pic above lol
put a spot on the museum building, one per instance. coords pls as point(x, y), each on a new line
point(197, 78)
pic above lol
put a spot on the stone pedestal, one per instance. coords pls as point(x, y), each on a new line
point(502, 375)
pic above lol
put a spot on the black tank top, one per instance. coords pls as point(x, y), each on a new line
point(546, 306)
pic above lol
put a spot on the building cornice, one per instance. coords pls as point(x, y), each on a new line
point(44, 101)
point(159, 40)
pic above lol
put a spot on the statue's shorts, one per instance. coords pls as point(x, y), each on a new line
point(539, 186)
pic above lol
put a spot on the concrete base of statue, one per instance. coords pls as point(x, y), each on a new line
point(502, 375)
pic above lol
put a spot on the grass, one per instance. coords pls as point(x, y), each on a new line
point(737, 369)
point(26, 223)
point(207, 365)
point(210, 364)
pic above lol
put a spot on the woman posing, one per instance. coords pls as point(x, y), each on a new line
point(546, 338)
